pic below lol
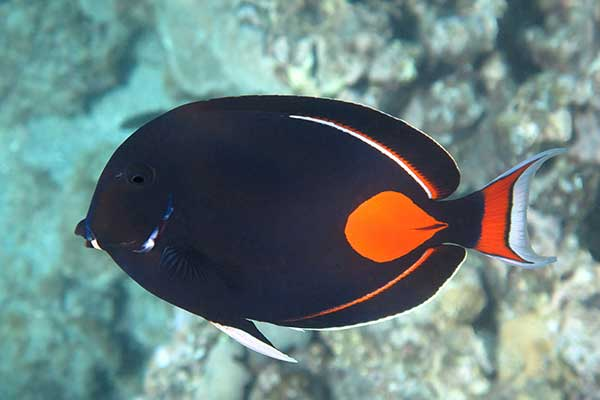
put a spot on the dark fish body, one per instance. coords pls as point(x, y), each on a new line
point(303, 212)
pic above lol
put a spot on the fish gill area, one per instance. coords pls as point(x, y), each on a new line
point(494, 81)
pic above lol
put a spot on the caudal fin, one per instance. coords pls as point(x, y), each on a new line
point(504, 223)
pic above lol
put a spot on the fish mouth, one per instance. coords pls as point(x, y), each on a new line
point(84, 230)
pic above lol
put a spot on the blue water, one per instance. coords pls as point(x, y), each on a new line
point(494, 81)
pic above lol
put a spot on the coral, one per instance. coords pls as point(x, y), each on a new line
point(566, 38)
point(587, 142)
point(395, 65)
point(546, 328)
point(430, 352)
point(198, 363)
point(275, 381)
point(461, 36)
point(195, 35)
point(538, 113)
point(577, 346)
point(201, 362)
point(317, 48)
point(73, 325)
point(57, 55)
point(452, 106)
point(412, 371)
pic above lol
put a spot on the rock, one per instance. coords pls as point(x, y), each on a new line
point(396, 64)
point(542, 324)
point(452, 105)
point(587, 142)
point(67, 58)
point(225, 377)
point(200, 362)
point(459, 37)
point(194, 36)
point(420, 361)
point(463, 298)
point(300, 49)
point(526, 347)
point(74, 325)
point(428, 352)
point(578, 348)
point(567, 35)
point(276, 382)
point(494, 73)
point(538, 114)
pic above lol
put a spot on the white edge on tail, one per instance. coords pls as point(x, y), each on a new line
point(518, 236)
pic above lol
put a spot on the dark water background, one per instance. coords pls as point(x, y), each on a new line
point(493, 80)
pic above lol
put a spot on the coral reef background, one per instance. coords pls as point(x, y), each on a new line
point(493, 80)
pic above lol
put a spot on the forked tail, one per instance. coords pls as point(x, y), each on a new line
point(503, 233)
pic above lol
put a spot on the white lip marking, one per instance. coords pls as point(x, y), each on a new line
point(95, 244)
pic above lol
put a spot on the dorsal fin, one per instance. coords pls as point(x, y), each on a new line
point(418, 154)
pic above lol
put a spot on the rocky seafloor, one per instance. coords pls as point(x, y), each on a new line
point(493, 80)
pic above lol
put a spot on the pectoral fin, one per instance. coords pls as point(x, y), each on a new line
point(246, 333)
point(188, 263)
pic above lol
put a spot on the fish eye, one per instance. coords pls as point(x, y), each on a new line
point(138, 179)
point(140, 175)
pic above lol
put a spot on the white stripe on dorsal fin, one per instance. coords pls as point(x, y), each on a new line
point(366, 139)
point(253, 343)
point(420, 153)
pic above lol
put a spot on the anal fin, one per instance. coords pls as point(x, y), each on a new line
point(419, 279)
point(247, 334)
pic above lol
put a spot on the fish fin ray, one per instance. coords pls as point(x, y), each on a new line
point(181, 262)
point(188, 263)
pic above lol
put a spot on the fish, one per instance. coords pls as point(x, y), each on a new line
point(303, 212)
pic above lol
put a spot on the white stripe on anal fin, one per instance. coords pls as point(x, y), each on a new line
point(253, 343)
point(373, 144)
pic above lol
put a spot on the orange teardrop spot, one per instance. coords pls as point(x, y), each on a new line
point(388, 226)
